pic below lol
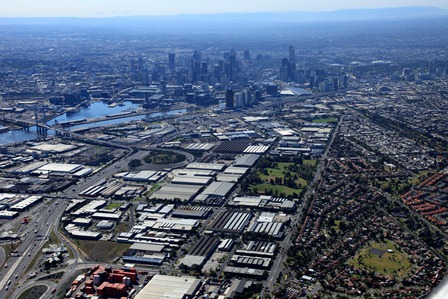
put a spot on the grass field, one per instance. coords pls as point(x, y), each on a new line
point(101, 251)
point(113, 206)
point(395, 264)
point(276, 189)
point(33, 292)
point(280, 172)
point(325, 120)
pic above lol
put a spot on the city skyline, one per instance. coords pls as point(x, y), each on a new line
point(103, 8)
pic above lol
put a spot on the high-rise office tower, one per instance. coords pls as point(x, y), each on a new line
point(171, 61)
point(292, 55)
point(246, 55)
point(230, 103)
point(232, 64)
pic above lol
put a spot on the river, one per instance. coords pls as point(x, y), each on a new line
point(95, 110)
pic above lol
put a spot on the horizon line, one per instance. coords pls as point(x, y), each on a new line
point(223, 13)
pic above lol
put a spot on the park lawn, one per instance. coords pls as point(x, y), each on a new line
point(310, 162)
point(279, 188)
point(325, 120)
point(278, 173)
point(394, 264)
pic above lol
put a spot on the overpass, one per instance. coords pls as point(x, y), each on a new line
point(26, 124)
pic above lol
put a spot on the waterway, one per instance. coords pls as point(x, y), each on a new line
point(95, 110)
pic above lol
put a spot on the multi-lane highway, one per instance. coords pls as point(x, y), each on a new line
point(34, 238)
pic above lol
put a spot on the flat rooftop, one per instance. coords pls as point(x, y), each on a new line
point(169, 287)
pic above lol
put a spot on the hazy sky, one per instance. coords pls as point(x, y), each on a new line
point(105, 8)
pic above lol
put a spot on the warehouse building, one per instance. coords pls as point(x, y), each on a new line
point(228, 177)
point(8, 214)
point(86, 222)
point(180, 225)
point(226, 245)
point(163, 286)
point(236, 170)
point(144, 176)
point(59, 168)
point(147, 248)
point(256, 149)
point(206, 166)
point(27, 169)
point(231, 222)
point(191, 180)
point(177, 191)
point(75, 232)
point(215, 189)
point(83, 172)
point(192, 172)
point(156, 260)
point(194, 212)
point(200, 146)
point(244, 272)
point(48, 148)
point(247, 160)
point(258, 248)
point(104, 224)
point(250, 261)
point(90, 208)
point(26, 203)
point(264, 201)
point(110, 216)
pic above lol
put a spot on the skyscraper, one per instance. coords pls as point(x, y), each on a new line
point(292, 55)
point(230, 103)
point(232, 64)
point(171, 61)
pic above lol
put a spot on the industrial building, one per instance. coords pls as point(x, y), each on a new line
point(75, 232)
point(191, 180)
point(27, 169)
point(194, 212)
point(226, 245)
point(249, 261)
point(176, 191)
point(257, 248)
point(215, 189)
point(247, 160)
point(104, 224)
point(200, 146)
point(8, 214)
point(59, 168)
point(49, 148)
point(26, 203)
point(163, 286)
point(181, 225)
point(256, 149)
point(206, 166)
point(273, 229)
point(231, 222)
point(263, 201)
point(244, 272)
point(144, 176)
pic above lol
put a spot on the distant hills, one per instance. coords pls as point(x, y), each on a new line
point(248, 18)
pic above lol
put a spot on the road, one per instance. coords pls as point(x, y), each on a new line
point(277, 267)
point(37, 234)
